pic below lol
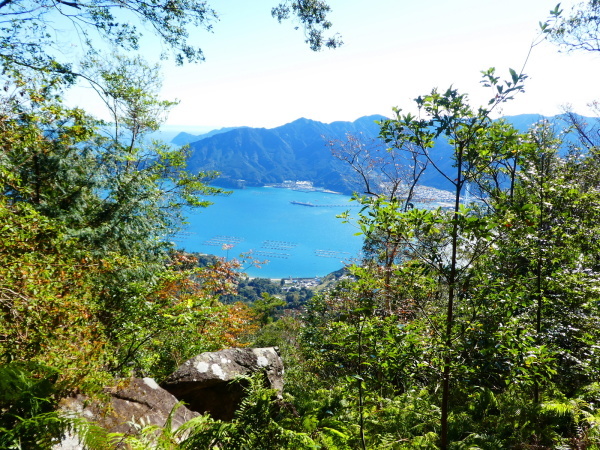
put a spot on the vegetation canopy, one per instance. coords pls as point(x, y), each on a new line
point(469, 325)
point(54, 35)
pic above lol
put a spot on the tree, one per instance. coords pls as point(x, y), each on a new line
point(579, 30)
point(313, 17)
point(389, 173)
point(89, 285)
point(117, 198)
point(32, 33)
point(48, 313)
point(492, 310)
point(182, 316)
point(553, 224)
point(446, 243)
point(110, 187)
point(382, 174)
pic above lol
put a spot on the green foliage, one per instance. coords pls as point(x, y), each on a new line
point(31, 37)
point(254, 290)
point(182, 317)
point(89, 284)
point(250, 290)
point(27, 402)
point(266, 307)
point(474, 326)
point(48, 314)
point(116, 192)
point(494, 302)
point(89, 287)
point(577, 30)
point(116, 198)
point(313, 16)
point(259, 424)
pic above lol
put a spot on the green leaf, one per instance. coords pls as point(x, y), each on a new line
point(514, 76)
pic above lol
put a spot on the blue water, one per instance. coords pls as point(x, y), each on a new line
point(298, 241)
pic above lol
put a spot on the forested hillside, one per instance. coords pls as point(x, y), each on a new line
point(302, 150)
point(296, 151)
point(470, 326)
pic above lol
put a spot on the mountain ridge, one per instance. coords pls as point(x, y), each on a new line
point(294, 151)
point(246, 156)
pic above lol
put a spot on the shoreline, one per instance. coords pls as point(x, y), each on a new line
point(301, 188)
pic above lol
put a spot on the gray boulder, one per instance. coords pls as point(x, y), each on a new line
point(206, 383)
point(133, 402)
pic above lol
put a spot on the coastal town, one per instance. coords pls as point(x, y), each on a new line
point(422, 194)
point(300, 185)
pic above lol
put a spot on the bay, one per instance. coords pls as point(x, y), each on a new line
point(298, 241)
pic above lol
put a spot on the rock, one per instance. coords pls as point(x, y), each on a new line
point(205, 384)
point(134, 401)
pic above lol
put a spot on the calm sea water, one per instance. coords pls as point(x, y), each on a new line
point(298, 241)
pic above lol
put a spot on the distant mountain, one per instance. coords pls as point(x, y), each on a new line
point(295, 151)
point(184, 138)
point(523, 122)
point(168, 132)
point(298, 151)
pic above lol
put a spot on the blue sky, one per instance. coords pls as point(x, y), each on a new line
point(260, 73)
